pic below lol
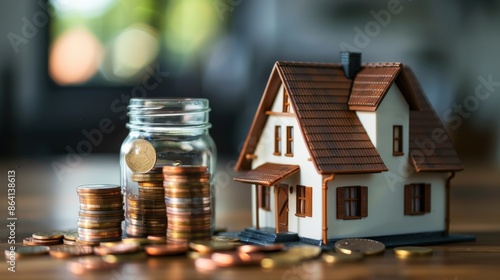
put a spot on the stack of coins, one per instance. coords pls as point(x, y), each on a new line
point(146, 209)
point(101, 214)
point(188, 203)
point(44, 238)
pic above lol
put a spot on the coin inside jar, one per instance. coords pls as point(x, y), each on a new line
point(141, 156)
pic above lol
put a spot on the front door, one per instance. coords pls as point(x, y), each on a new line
point(282, 207)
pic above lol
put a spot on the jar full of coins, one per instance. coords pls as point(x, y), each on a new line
point(167, 162)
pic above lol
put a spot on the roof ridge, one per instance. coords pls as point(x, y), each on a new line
point(308, 63)
point(382, 64)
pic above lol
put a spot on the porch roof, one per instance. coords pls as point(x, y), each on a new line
point(267, 174)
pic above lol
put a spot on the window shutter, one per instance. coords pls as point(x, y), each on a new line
point(340, 203)
point(309, 209)
point(363, 192)
point(407, 200)
point(427, 201)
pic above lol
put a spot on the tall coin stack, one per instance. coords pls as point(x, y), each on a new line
point(146, 209)
point(188, 203)
point(101, 214)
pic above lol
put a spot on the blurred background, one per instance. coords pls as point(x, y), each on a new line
point(65, 65)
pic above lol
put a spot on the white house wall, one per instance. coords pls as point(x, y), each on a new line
point(308, 176)
point(386, 190)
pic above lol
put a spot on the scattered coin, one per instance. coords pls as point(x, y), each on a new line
point(124, 258)
point(205, 247)
point(71, 235)
point(361, 245)
point(412, 251)
point(24, 251)
point(67, 251)
point(204, 264)
point(227, 259)
point(120, 248)
point(48, 235)
point(30, 241)
point(141, 156)
point(166, 249)
point(224, 238)
point(88, 264)
point(341, 257)
point(281, 259)
point(306, 251)
point(261, 248)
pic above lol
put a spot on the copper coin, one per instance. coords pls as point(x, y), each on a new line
point(121, 248)
point(48, 235)
point(167, 249)
point(210, 246)
point(69, 242)
point(183, 169)
point(98, 188)
point(227, 259)
point(141, 156)
point(261, 248)
point(140, 178)
point(24, 251)
point(99, 207)
point(45, 242)
point(151, 185)
point(66, 251)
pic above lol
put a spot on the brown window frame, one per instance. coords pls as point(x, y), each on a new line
point(303, 201)
point(277, 140)
point(417, 199)
point(397, 140)
point(289, 141)
point(286, 101)
point(264, 198)
point(345, 202)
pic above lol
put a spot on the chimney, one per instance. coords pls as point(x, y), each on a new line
point(351, 63)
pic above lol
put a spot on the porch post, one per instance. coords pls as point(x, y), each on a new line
point(257, 196)
point(276, 210)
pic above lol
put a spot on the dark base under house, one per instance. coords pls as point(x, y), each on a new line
point(265, 236)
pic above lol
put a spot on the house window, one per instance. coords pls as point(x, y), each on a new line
point(304, 201)
point(286, 102)
point(397, 140)
point(289, 141)
point(277, 140)
point(264, 198)
point(417, 199)
point(352, 202)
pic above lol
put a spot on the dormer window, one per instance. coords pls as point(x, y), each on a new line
point(397, 140)
point(286, 102)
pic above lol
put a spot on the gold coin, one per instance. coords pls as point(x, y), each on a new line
point(281, 259)
point(24, 251)
point(141, 156)
point(66, 251)
point(361, 245)
point(206, 247)
point(341, 257)
point(306, 251)
point(48, 235)
point(412, 251)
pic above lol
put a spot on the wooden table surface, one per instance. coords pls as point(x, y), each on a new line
point(474, 210)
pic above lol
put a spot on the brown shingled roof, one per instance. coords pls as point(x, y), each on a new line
point(325, 102)
point(434, 153)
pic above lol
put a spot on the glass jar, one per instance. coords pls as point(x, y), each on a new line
point(167, 162)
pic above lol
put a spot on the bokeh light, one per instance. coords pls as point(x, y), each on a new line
point(74, 57)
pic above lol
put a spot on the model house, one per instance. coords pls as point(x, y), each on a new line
point(347, 150)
